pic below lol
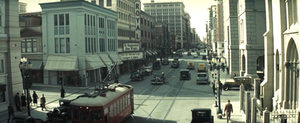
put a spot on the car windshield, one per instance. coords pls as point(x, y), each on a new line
point(157, 75)
point(201, 75)
point(184, 72)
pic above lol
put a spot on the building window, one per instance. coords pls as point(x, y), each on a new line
point(68, 45)
point(1, 66)
point(56, 45)
point(28, 45)
point(62, 45)
point(102, 45)
point(108, 3)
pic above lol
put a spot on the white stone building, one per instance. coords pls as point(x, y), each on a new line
point(80, 42)
point(280, 89)
point(252, 24)
point(231, 36)
point(10, 52)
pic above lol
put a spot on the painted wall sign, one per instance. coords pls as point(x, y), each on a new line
point(131, 47)
point(137, 21)
point(131, 56)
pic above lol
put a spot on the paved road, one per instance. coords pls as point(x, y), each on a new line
point(168, 103)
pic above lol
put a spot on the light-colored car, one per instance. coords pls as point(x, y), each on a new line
point(237, 81)
point(195, 56)
point(202, 78)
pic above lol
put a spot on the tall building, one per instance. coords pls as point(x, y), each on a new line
point(173, 14)
point(212, 29)
point(252, 26)
point(10, 52)
point(129, 32)
point(80, 47)
point(220, 28)
point(231, 36)
point(22, 7)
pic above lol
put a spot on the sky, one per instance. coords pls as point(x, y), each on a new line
point(196, 8)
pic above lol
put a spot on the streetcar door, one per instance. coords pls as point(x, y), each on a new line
point(105, 119)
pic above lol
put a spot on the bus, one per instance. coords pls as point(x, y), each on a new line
point(112, 104)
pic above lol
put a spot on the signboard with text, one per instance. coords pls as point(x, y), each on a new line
point(131, 47)
point(131, 56)
point(137, 21)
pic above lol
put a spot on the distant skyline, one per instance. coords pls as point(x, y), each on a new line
point(196, 8)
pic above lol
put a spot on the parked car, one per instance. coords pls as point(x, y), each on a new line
point(185, 74)
point(198, 53)
point(190, 65)
point(158, 78)
point(156, 65)
point(60, 114)
point(148, 70)
point(237, 81)
point(203, 57)
point(165, 61)
point(136, 76)
point(202, 78)
point(189, 53)
point(202, 115)
point(25, 119)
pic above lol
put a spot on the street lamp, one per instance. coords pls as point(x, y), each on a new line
point(25, 69)
point(219, 112)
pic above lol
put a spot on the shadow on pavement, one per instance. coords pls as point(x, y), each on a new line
point(137, 119)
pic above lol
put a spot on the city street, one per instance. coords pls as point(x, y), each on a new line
point(169, 103)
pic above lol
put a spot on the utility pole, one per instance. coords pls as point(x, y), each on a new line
point(219, 94)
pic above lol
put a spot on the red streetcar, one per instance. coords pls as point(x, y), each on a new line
point(110, 105)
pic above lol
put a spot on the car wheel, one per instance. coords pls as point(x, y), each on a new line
point(226, 87)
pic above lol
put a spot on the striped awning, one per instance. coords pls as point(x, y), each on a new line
point(148, 53)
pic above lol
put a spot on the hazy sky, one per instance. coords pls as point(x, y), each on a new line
point(196, 8)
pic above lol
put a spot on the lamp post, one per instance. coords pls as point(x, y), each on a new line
point(219, 112)
point(25, 69)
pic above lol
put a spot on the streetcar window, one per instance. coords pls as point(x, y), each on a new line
point(106, 110)
point(128, 99)
point(84, 115)
point(75, 114)
point(96, 115)
point(115, 107)
point(111, 110)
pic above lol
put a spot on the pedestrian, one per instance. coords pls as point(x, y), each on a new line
point(228, 110)
point(35, 97)
point(10, 110)
point(23, 101)
point(62, 92)
point(18, 102)
point(29, 99)
point(43, 102)
point(214, 87)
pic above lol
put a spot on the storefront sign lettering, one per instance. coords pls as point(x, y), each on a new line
point(131, 56)
point(131, 46)
point(137, 22)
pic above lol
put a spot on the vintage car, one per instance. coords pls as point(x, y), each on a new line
point(178, 54)
point(190, 65)
point(237, 81)
point(175, 64)
point(148, 70)
point(202, 115)
point(165, 61)
point(203, 57)
point(189, 53)
point(136, 76)
point(195, 56)
point(156, 65)
point(202, 78)
point(158, 78)
point(60, 114)
point(198, 53)
point(185, 74)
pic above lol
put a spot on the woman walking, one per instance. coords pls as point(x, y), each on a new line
point(43, 102)
point(23, 101)
point(35, 97)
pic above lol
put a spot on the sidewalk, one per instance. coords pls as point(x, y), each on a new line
point(236, 116)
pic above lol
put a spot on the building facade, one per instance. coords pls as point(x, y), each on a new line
point(148, 40)
point(220, 28)
point(173, 14)
point(231, 39)
point(212, 30)
point(22, 7)
point(252, 24)
point(10, 52)
point(163, 39)
point(80, 43)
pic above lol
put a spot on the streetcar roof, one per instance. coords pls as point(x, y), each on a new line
point(101, 100)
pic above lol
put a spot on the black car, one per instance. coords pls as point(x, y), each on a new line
point(189, 53)
point(60, 114)
point(136, 76)
point(175, 64)
point(25, 119)
point(156, 65)
point(185, 74)
point(165, 61)
point(158, 78)
point(202, 115)
point(148, 70)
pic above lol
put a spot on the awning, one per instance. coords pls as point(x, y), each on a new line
point(154, 52)
point(115, 58)
point(93, 62)
point(62, 63)
point(148, 53)
point(36, 64)
point(106, 59)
